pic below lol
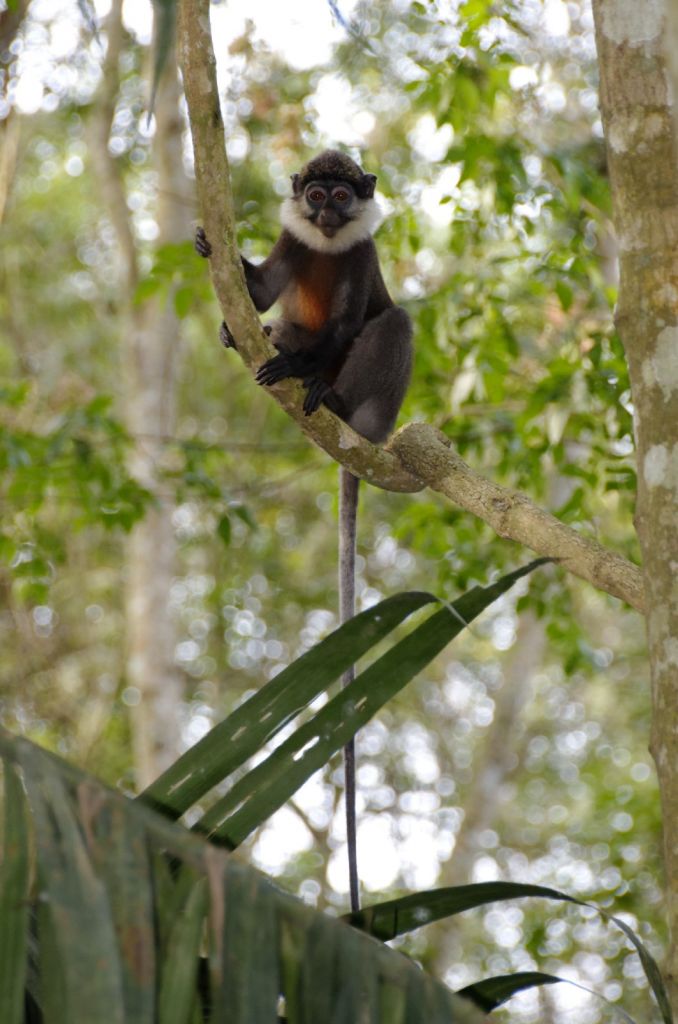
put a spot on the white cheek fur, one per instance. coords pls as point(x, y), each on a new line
point(368, 220)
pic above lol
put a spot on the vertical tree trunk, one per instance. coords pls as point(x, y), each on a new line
point(150, 349)
point(639, 124)
point(10, 23)
point(154, 353)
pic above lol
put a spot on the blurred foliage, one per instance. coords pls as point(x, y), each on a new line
point(483, 129)
point(69, 475)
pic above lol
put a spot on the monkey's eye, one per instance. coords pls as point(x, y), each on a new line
point(316, 195)
point(340, 195)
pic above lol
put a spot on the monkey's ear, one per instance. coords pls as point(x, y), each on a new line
point(368, 185)
point(296, 186)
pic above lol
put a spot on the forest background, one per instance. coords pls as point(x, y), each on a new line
point(168, 540)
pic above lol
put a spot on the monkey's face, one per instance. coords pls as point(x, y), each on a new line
point(332, 206)
point(329, 205)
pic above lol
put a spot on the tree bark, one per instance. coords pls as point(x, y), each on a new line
point(150, 351)
point(10, 23)
point(640, 130)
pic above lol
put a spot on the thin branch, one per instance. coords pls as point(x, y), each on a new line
point(418, 455)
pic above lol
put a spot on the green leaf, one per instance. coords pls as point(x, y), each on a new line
point(179, 970)
point(122, 860)
point(387, 920)
point(14, 395)
point(98, 407)
point(265, 788)
point(490, 993)
point(146, 288)
point(245, 515)
point(52, 984)
point(260, 944)
point(14, 902)
point(395, 917)
point(183, 300)
point(256, 721)
point(250, 930)
point(565, 294)
point(77, 904)
point(224, 529)
point(650, 966)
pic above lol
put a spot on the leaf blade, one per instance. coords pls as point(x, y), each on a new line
point(14, 904)
point(392, 918)
point(277, 920)
point(179, 970)
point(76, 901)
point(256, 721)
point(490, 993)
point(264, 789)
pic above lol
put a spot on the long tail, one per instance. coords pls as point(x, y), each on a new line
point(348, 515)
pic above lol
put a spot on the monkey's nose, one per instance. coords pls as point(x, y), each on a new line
point(329, 219)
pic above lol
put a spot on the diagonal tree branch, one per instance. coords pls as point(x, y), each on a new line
point(418, 455)
point(514, 516)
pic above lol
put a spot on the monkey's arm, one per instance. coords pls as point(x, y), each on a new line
point(265, 281)
point(346, 320)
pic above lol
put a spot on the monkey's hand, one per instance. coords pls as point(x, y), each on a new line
point(225, 336)
point(285, 364)
point(317, 391)
point(202, 246)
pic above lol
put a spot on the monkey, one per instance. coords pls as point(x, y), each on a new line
point(340, 331)
point(341, 334)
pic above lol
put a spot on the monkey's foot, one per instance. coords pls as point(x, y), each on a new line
point(225, 336)
point(334, 403)
point(317, 391)
point(273, 370)
point(202, 246)
point(285, 364)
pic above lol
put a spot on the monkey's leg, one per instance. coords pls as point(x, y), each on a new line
point(371, 385)
point(291, 341)
point(319, 392)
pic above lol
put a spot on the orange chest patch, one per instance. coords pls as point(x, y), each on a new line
point(313, 293)
point(313, 307)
